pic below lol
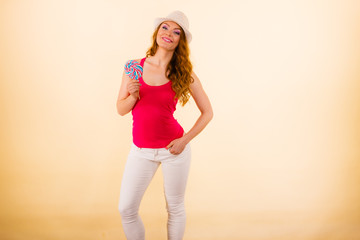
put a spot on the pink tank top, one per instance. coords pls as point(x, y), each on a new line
point(154, 125)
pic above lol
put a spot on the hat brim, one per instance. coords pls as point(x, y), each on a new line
point(158, 21)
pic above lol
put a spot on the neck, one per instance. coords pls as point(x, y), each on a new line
point(162, 57)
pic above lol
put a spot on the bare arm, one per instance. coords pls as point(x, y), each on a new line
point(203, 103)
point(128, 95)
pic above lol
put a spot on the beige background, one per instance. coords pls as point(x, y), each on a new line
point(280, 159)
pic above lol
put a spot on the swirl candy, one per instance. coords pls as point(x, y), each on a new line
point(133, 69)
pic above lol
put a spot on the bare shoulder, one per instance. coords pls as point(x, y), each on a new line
point(196, 81)
point(194, 75)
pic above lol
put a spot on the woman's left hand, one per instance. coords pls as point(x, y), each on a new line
point(177, 146)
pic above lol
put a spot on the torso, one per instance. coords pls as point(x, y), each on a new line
point(154, 125)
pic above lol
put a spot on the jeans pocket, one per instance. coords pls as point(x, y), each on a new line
point(186, 149)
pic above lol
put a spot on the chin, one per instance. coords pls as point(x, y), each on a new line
point(166, 47)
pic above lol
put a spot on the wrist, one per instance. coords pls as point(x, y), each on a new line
point(186, 138)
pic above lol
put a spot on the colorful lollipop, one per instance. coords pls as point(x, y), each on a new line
point(134, 70)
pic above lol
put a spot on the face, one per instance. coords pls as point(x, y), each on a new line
point(168, 36)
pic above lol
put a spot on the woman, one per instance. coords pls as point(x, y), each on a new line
point(158, 138)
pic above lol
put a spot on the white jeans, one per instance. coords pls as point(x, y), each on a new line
point(140, 168)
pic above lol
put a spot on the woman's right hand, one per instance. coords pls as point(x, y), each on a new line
point(128, 94)
point(133, 88)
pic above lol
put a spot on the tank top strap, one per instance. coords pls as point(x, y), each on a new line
point(142, 61)
point(142, 65)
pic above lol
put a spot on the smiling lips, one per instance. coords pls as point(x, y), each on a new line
point(167, 39)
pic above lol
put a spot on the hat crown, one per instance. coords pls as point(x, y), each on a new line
point(179, 17)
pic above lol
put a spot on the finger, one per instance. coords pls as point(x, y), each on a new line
point(133, 92)
point(174, 149)
point(175, 152)
point(135, 82)
point(170, 145)
point(133, 89)
point(134, 85)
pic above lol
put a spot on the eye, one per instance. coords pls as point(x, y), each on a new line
point(177, 32)
point(164, 27)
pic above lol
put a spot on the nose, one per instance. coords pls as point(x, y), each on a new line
point(168, 33)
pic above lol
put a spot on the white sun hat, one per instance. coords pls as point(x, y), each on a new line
point(178, 17)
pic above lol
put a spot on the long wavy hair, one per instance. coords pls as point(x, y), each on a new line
point(179, 67)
